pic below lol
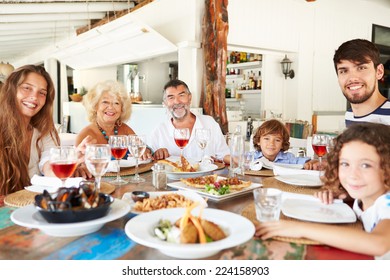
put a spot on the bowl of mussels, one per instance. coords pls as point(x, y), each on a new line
point(74, 204)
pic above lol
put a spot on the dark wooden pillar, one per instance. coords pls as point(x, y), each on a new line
point(214, 43)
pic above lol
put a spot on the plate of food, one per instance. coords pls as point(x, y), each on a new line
point(177, 168)
point(30, 217)
point(149, 229)
point(215, 187)
point(163, 200)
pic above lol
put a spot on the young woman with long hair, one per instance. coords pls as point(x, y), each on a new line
point(27, 127)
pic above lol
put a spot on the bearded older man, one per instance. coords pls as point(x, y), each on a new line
point(177, 100)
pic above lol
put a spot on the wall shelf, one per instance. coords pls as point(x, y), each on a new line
point(245, 65)
point(250, 91)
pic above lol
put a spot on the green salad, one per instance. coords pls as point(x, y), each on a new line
point(217, 189)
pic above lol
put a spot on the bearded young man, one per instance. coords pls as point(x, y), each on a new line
point(358, 69)
point(177, 100)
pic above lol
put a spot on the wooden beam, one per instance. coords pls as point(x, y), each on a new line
point(214, 43)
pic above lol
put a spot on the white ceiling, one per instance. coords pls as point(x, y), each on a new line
point(27, 26)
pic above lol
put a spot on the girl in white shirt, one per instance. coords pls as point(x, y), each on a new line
point(359, 164)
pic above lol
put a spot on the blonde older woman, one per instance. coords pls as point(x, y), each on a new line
point(108, 107)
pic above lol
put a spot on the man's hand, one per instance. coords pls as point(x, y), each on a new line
point(161, 154)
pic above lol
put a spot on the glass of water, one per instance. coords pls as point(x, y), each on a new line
point(268, 202)
point(97, 158)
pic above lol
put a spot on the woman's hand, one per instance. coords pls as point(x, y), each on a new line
point(82, 146)
point(82, 171)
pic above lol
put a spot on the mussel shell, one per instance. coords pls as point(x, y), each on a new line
point(75, 214)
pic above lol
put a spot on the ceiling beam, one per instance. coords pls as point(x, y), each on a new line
point(71, 7)
point(35, 25)
point(50, 17)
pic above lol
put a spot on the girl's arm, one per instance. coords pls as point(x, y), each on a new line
point(376, 243)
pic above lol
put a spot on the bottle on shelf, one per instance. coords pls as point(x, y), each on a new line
point(233, 91)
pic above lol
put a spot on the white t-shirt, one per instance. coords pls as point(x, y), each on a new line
point(162, 137)
point(36, 163)
point(380, 210)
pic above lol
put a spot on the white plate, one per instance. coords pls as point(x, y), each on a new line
point(187, 194)
point(303, 180)
point(29, 216)
point(141, 230)
point(182, 186)
point(203, 170)
point(130, 162)
point(316, 211)
point(287, 165)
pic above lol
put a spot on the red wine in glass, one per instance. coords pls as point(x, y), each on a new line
point(319, 144)
point(63, 161)
point(118, 144)
point(320, 150)
point(182, 137)
point(181, 143)
point(63, 170)
point(118, 153)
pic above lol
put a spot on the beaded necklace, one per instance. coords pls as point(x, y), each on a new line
point(105, 133)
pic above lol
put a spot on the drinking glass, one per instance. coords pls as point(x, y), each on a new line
point(181, 136)
point(267, 204)
point(118, 144)
point(319, 144)
point(63, 161)
point(202, 136)
point(330, 145)
point(97, 158)
point(137, 147)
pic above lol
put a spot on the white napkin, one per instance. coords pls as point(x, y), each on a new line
point(51, 184)
point(279, 170)
point(256, 165)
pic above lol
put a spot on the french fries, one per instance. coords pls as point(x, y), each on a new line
point(161, 202)
point(181, 166)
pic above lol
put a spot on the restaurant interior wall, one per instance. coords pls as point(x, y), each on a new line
point(313, 32)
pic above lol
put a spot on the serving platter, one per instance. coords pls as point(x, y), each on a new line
point(182, 186)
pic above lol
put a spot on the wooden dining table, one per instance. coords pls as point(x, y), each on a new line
point(111, 241)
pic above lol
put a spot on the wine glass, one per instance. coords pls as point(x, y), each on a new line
point(97, 158)
point(202, 136)
point(137, 147)
point(319, 144)
point(330, 146)
point(118, 144)
point(63, 161)
point(181, 136)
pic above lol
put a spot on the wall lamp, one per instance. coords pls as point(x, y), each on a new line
point(5, 70)
point(286, 68)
